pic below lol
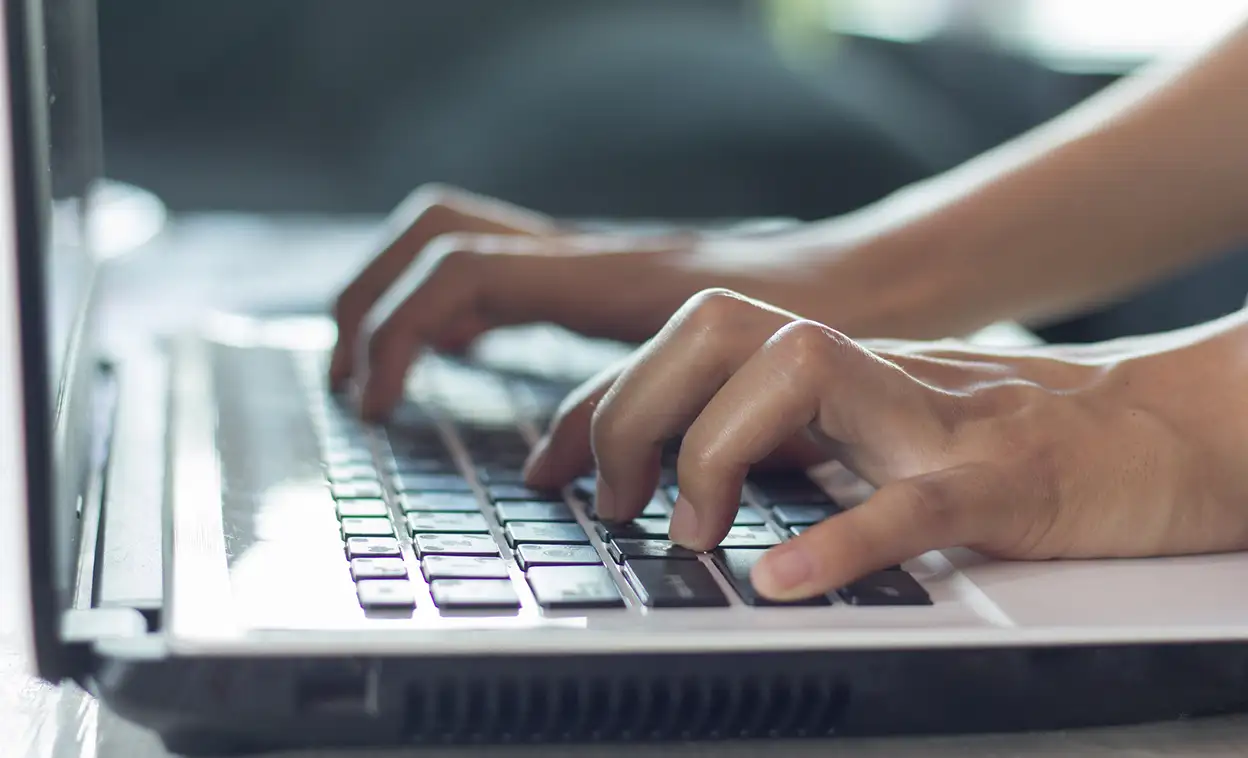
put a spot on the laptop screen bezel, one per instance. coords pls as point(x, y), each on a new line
point(55, 414)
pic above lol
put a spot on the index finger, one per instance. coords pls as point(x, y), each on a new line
point(426, 214)
point(806, 377)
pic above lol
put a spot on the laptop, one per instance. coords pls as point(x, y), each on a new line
point(319, 582)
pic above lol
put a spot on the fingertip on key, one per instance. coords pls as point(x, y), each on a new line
point(783, 571)
point(604, 500)
point(684, 524)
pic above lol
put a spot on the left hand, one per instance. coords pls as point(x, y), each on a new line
point(1019, 457)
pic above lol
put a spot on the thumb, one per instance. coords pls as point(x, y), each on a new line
point(947, 508)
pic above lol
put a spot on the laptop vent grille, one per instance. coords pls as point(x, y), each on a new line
point(455, 711)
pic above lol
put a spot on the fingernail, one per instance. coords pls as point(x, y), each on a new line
point(604, 500)
point(782, 569)
point(684, 526)
point(537, 458)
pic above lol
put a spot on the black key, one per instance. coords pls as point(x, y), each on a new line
point(463, 567)
point(657, 508)
point(559, 587)
point(378, 568)
point(362, 509)
point(674, 584)
point(372, 547)
point(557, 555)
point(498, 473)
point(420, 466)
point(637, 529)
point(356, 490)
point(492, 442)
point(502, 492)
point(886, 588)
point(410, 415)
point(791, 489)
point(629, 550)
point(545, 533)
point(447, 523)
point(454, 544)
point(351, 472)
point(748, 517)
point(491, 594)
point(736, 564)
point(799, 528)
point(803, 515)
point(750, 536)
point(431, 483)
point(386, 593)
point(439, 502)
point(366, 527)
point(523, 511)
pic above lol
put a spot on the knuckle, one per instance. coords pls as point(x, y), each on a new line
point(712, 309)
point(454, 255)
point(809, 347)
point(930, 505)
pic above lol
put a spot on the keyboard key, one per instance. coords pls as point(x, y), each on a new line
point(886, 588)
point(421, 465)
point(351, 472)
point(378, 568)
point(524, 511)
point(748, 517)
point(499, 473)
point(372, 547)
point(750, 536)
point(347, 456)
point(545, 533)
point(367, 527)
point(447, 523)
point(791, 489)
point(500, 492)
point(638, 529)
point(362, 509)
point(803, 515)
point(463, 567)
point(556, 555)
point(370, 490)
point(736, 564)
point(625, 549)
point(483, 594)
point(431, 483)
point(454, 544)
point(386, 593)
point(675, 584)
point(558, 587)
point(799, 529)
point(490, 442)
point(439, 502)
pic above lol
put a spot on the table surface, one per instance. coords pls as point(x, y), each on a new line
point(43, 721)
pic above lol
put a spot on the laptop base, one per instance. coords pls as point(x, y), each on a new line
point(221, 705)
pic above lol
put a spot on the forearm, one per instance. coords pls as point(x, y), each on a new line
point(1146, 178)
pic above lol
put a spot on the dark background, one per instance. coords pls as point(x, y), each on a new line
point(645, 108)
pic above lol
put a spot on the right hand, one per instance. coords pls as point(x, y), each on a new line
point(460, 264)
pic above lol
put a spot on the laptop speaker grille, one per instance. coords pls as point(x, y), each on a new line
point(625, 708)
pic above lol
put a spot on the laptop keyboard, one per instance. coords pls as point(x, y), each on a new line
point(432, 508)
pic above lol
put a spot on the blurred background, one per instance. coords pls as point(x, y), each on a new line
point(686, 109)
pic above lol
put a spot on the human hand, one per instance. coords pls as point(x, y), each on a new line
point(1018, 457)
point(460, 264)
